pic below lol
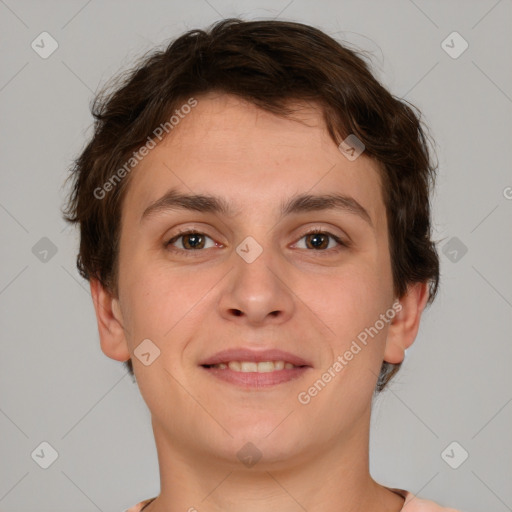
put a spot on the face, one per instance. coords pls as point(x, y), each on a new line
point(264, 274)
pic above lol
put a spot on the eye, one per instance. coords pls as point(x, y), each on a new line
point(190, 241)
point(319, 240)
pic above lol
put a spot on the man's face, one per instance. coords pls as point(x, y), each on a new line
point(254, 279)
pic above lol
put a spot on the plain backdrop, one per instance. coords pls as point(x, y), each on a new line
point(453, 396)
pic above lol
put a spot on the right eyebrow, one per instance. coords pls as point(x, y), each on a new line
point(174, 200)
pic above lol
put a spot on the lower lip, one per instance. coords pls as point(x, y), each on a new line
point(255, 379)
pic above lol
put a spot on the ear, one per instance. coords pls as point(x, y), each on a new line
point(404, 326)
point(110, 322)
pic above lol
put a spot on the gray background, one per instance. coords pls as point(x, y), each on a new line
point(57, 386)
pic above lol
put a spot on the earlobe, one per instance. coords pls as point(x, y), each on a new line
point(404, 326)
point(110, 323)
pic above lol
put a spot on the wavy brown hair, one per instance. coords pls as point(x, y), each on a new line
point(268, 63)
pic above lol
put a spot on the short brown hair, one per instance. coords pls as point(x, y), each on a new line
point(268, 63)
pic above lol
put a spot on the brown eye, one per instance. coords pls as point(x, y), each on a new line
point(317, 241)
point(190, 241)
point(321, 241)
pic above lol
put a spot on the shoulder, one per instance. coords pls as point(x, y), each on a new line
point(139, 506)
point(414, 504)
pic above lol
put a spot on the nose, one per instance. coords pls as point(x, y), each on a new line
point(258, 291)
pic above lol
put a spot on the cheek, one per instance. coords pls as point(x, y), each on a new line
point(350, 306)
point(162, 302)
point(144, 297)
point(351, 300)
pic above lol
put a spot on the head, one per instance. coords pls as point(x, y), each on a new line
point(255, 113)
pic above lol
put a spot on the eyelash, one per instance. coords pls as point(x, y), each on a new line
point(314, 231)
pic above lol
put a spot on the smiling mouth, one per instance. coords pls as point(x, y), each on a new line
point(252, 366)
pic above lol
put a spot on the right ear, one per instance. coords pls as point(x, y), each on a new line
point(110, 322)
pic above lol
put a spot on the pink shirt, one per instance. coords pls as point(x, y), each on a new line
point(411, 504)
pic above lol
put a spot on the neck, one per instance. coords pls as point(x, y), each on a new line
point(331, 478)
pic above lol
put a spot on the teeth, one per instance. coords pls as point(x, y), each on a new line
point(235, 365)
point(263, 367)
point(251, 366)
point(246, 367)
point(279, 365)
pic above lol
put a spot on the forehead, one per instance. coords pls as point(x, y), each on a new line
point(228, 147)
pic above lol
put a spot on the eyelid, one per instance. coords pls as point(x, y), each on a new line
point(328, 231)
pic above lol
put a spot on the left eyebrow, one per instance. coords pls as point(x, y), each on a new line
point(314, 203)
point(174, 200)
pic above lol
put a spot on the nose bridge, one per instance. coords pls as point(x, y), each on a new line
point(257, 263)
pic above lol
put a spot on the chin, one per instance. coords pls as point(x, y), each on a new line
point(262, 444)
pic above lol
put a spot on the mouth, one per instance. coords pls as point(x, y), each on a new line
point(253, 366)
point(249, 369)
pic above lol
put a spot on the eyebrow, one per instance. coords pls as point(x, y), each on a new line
point(302, 203)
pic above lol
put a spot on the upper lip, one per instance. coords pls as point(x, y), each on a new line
point(246, 354)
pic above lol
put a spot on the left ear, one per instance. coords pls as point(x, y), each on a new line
point(404, 326)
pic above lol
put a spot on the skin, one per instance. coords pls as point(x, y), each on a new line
point(311, 302)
